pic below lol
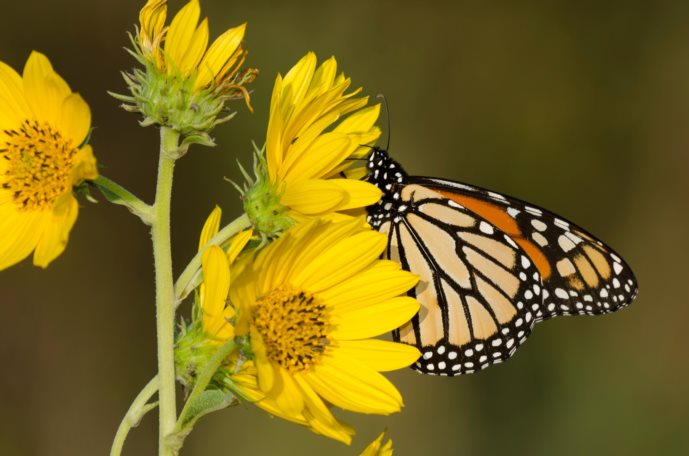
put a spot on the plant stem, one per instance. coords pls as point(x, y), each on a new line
point(165, 299)
point(133, 417)
point(187, 280)
point(117, 194)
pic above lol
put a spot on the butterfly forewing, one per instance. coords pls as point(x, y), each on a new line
point(580, 274)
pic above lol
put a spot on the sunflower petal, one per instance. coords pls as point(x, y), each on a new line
point(265, 369)
point(238, 243)
point(75, 119)
point(351, 385)
point(379, 355)
point(381, 281)
point(13, 105)
point(20, 233)
point(341, 432)
point(287, 394)
point(368, 322)
point(360, 121)
point(196, 49)
point(313, 196)
point(218, 54)
point(181, 31)
point(327, 152)
point(211, 227)
point(313, 403)
point(324, 77)
point(44, 89)
point(84, 166)
point(56, 231)
point(216, 280)
point(341, 261)
point(359, 193)
point(298, 79)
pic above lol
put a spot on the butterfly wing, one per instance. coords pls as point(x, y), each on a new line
point(580, 274)
point(477, 286)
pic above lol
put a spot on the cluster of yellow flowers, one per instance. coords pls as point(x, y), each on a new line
point(303, 293)
point(310, 303)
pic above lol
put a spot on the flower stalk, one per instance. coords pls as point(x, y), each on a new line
point(165, 308)
point(137, 410)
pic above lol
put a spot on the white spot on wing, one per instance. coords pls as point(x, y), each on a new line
point(533, 211)
point(617, 267)
point(539, 225)
point(497, 196)
point(510, 241)
point(561, 224)
point(560, 293)
point(539, 239)
point(574, 238)
point(565, 243)
point(486, 228)
point(454, 204)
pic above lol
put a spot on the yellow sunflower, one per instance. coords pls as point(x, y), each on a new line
point(213, 326)
point(311, 302)
point(316, 132)
point(43, 127)
point(182, 48)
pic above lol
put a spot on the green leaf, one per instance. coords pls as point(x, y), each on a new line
point(203, 404)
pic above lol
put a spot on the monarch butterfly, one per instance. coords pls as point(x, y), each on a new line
point(490, 267)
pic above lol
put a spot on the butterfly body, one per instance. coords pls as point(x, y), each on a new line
point(490, 267)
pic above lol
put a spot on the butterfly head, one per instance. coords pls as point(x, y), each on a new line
point(386, 174)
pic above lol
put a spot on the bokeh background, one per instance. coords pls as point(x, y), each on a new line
point(581, 107)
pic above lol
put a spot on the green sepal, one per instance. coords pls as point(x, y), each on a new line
point(84, 190)
point(203, 139)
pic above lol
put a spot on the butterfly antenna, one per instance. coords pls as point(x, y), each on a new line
point(387, 114)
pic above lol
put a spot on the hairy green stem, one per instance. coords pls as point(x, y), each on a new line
point(136, 411)
point(117, 194)
point(190, 277)
point(165, 297)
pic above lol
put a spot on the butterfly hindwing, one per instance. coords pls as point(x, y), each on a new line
point(580, 274)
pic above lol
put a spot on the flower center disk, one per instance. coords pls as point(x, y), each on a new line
point(40, 161)
point(294, 326)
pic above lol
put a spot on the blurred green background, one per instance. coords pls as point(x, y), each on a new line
point(581, 107)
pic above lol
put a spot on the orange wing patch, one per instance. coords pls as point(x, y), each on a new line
point(496, 215)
